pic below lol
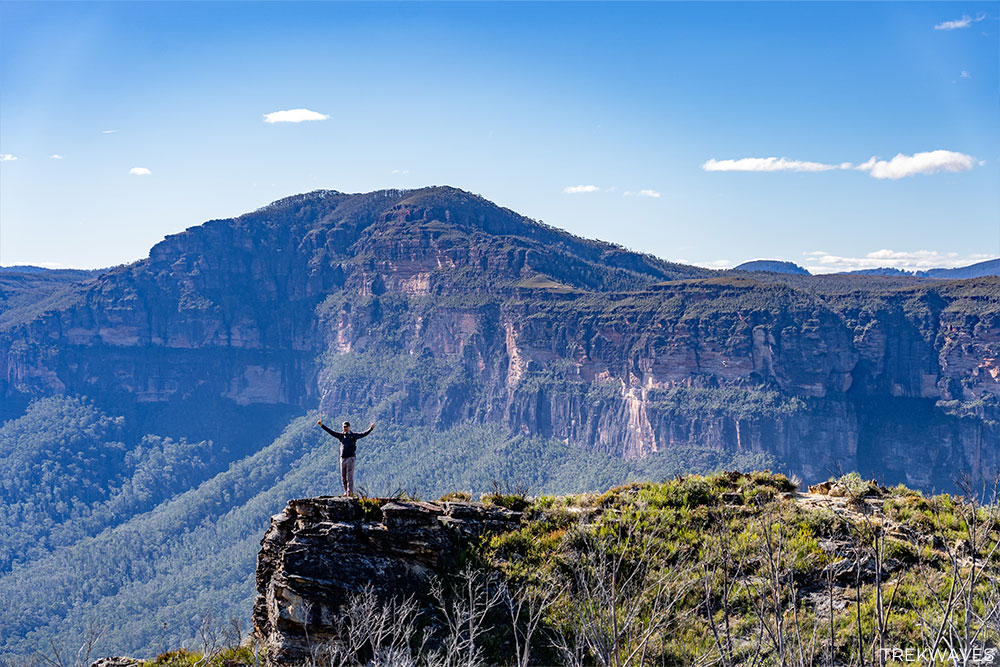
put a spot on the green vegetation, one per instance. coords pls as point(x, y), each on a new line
point(726, 564)
point(539, 281)
point(727, 568)
point(25, 296)
point(68, 471)
point(852, 486)
point(194, 553)
point(985, 409)
point(743, 403)
point(179, 658)
point(371, 508)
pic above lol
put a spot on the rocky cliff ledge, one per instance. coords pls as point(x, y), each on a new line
point(319, 551)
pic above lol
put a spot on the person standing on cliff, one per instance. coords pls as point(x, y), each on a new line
point(348, 451)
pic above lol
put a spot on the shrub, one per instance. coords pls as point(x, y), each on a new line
point(853, 487)
point(236, 655)
point(822, 522)
point(456, 497)
point(776, 481)
point(690, 491)
point(179, 658)
point(900, 550)
point(371, 509)
point(511, 501)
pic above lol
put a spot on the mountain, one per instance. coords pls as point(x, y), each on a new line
point(157, 414)
point(26, 292)
point(772, 266)
point(71, 274)
point(990, 267)
point(883, 271)
point(437, 307)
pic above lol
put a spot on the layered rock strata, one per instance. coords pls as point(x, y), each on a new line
point(320, 551)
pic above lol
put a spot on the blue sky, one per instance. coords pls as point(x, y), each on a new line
point(647, 124)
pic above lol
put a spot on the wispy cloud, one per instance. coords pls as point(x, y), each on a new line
point(108, 131)
point(963, 22)
point(965, 75)
point(766, 164)
point(139, 171)
point(642, 193)
point(293, 116)
point(819, 261)
point(928, 162)
point(400, 171)
point(577, 189)
point(55, 156)
point(7, 157)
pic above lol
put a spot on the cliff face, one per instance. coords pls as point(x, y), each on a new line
point(903, 384)
point(437, 306)
point(228, 308)
point(320, 551)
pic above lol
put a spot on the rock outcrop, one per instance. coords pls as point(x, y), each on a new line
point(116, 661)
point(320, 551)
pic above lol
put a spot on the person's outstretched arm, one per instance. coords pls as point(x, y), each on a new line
point(370, 429)
point(329, 430)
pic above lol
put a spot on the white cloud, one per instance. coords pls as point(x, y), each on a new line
point(55, 156)
point(963, 22)
point(139, 171)
point(819, 261)
point(108, 131)
point(965, 75)
point(577, 189)
point(928, 162)
point(867, 164)
point(642, 193)
point(293, 116)
point(400, 171)
point(765, 164)
point(7, 157)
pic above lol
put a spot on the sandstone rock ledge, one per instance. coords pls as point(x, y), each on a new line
point(319, 551)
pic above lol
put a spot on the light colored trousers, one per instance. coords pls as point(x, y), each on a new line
point(347, 474)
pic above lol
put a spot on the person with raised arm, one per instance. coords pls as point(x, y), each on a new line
point(348, 452)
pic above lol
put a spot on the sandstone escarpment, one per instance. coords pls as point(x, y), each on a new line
point(436, 306)
point(734, 365)
point(320, 551)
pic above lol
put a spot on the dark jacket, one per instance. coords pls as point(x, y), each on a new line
point(348, 441)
